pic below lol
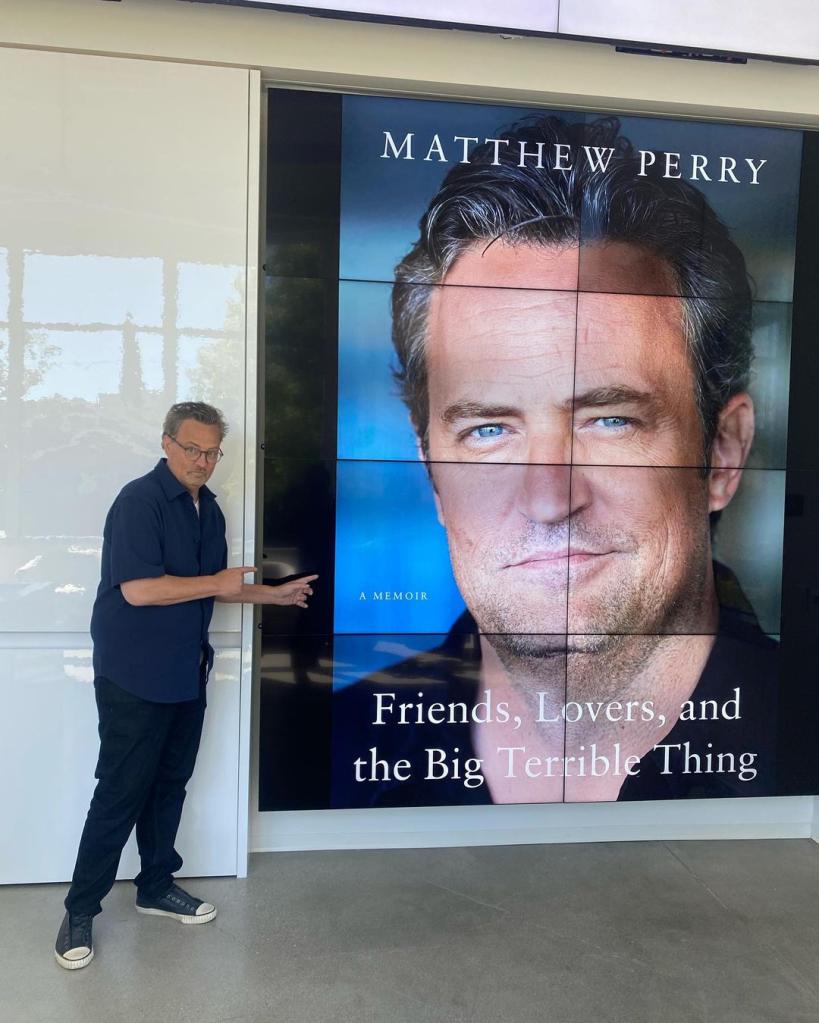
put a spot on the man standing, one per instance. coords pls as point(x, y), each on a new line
point(164, 562)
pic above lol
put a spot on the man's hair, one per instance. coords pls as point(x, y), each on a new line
point(198, 410)
point(481, 201)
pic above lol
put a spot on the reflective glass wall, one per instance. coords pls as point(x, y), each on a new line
point(123, 252)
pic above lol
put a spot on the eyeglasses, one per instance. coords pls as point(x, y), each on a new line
point(193, 453)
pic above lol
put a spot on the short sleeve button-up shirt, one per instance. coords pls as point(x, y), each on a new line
point(153, 529)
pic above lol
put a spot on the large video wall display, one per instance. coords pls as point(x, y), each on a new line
point(540, 412)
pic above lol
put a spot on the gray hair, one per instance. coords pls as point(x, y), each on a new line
point(198, 410)
point(493, 197)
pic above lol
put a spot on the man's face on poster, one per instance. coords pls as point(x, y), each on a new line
point(566, 447)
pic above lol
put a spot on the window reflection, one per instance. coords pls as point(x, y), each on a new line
point(4, 285)
point(93, 350)
point(4, 363)
point(72, 364)
point(92, 289)
point(151, 350)
point(77, 666)
point(206, 295)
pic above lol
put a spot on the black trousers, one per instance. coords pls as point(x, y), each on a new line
point(147, 754)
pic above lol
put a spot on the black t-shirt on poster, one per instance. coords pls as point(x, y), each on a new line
point(678, 767)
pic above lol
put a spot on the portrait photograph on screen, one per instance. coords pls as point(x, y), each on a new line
point(555, 452)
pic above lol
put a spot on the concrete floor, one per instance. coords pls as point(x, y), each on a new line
point(674, 932)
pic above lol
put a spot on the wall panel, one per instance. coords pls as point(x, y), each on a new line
point(123, 266)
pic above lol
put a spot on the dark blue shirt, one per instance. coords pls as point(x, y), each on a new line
point(152, 530)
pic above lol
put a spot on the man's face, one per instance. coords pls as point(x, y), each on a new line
point(565, 444)
point(191, 474)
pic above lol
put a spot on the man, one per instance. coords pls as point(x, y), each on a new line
point(164, 562)
point(574, 351)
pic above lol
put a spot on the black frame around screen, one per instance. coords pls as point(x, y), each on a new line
point(300, 407)
point(301, 309)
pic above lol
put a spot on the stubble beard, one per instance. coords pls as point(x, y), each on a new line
point(620, 634)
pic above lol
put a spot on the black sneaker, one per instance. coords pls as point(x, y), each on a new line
point(74, 948)
point(177, 903)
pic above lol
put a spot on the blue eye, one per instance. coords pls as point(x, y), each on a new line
point(613, 422)
point(488, 432)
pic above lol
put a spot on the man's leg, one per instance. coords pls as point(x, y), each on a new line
point(158, 821)
point(132, 733)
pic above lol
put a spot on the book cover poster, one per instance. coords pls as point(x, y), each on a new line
point(561, 442)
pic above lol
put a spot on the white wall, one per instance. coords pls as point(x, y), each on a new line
point(297, 48)
point(432, 827)
point(123, 288)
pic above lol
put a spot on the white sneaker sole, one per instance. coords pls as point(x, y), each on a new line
point(73, 964)
point(183, 918)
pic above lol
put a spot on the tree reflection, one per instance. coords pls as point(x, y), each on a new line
point(77, 421)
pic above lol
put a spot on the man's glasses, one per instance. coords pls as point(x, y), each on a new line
point(193, 453)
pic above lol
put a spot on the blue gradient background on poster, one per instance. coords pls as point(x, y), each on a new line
point(382, 199)
point(388, 536)
point(382, 202)
point(388, 539)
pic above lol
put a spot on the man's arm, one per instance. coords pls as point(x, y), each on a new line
point(294, 592)
point(174, 589)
